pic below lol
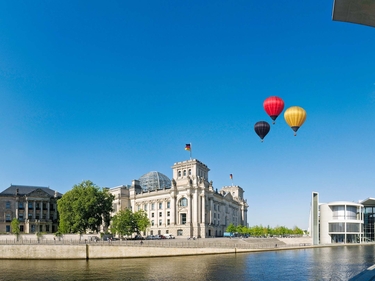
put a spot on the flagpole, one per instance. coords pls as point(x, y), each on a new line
point(191, 149)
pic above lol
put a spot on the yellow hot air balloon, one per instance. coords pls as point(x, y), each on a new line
point(294, 117)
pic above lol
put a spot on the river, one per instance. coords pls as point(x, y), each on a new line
point(331, 263)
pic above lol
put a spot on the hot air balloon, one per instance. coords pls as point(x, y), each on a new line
point(262, 128)
point(294, 117)
point(273, 106)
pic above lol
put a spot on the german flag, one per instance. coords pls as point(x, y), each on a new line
point(187, 146)
point(231, 176)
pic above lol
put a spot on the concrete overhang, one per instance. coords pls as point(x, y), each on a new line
point(354, 11)
point(368, 202)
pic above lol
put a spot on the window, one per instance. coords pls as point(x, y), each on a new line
point(20, 216)
point(160, 214)
point(215, 207)
point(352, 227)
point(189, 172)
point(152, 215)
point(21, 228)
point(183, 218)
point(7, 228)
point(153, 206)
point(160, 205)
point(168, 213)
point(160, 222)
point(168, 204)
point(37, 206)
point(159, 232)
point(218, 216)
point(151, 232)
point(215, 215)
point(20, 205)
point(179, 174)
point(7, 217)
point(168, 222)
point(30, 205)
point(145, 207)
point(47, 228)
point(337, 227)
point(179, 232)
point(7, 205)
point(167, 232)
point(184, 173)
point(139, 207)
point(183, 202)
point(152, 223)
point(30, 216)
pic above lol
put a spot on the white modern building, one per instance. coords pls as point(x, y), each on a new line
point(337, 222)
point(341, 222)
point(186, 206)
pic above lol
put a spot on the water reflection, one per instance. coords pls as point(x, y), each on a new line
point(336, 263)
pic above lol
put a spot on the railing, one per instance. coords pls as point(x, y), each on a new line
point(156, 243)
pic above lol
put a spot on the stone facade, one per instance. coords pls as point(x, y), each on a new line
point(191, 207)
point(35, 207)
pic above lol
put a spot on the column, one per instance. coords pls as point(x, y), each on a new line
point(203, 209)
point(17, 204)
point(173, 210)
point(211, 209)
point(41, 210)
point(48, 211)
point(26, 211)
point(194, 207)
point(189, 217)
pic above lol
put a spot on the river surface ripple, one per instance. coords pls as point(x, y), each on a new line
point(332, 263)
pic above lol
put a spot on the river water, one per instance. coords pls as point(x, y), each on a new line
point(332, 263)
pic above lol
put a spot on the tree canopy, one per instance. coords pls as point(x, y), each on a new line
point(85, 207)
point(15, 226)
point(125, 222)
point(259, 230)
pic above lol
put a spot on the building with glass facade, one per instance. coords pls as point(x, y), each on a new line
point(368, 217)
point(341, 222)
point(186, 206)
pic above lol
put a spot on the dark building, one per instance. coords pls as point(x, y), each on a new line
point(35, 207)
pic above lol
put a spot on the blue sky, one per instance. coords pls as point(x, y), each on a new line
point(110, 91)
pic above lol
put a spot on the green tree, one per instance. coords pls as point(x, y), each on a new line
point(85, 207)
point(141, 221)
point(125, 222)
point(15, 227)
point(232, 228)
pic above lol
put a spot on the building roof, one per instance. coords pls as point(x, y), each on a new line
point(368, 202)
point(26, 189)
point(354, 11)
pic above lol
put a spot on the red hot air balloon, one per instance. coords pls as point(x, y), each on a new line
point(262, 128)
point(273, 106)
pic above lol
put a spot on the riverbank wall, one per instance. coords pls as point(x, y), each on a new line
point(90, 251)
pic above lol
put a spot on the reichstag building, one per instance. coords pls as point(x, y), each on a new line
point(187, 205)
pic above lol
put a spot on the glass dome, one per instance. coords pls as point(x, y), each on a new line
point(153, 181)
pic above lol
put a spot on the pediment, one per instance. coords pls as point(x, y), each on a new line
point(38, 193)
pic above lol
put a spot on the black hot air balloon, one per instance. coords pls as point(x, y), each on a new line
point(262, 128)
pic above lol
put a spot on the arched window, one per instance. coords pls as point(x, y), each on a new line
point(184, 173)
point(183, 202)
point(189, 172)
point(179, 173)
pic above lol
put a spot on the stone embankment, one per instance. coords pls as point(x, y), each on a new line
point(69, 248)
